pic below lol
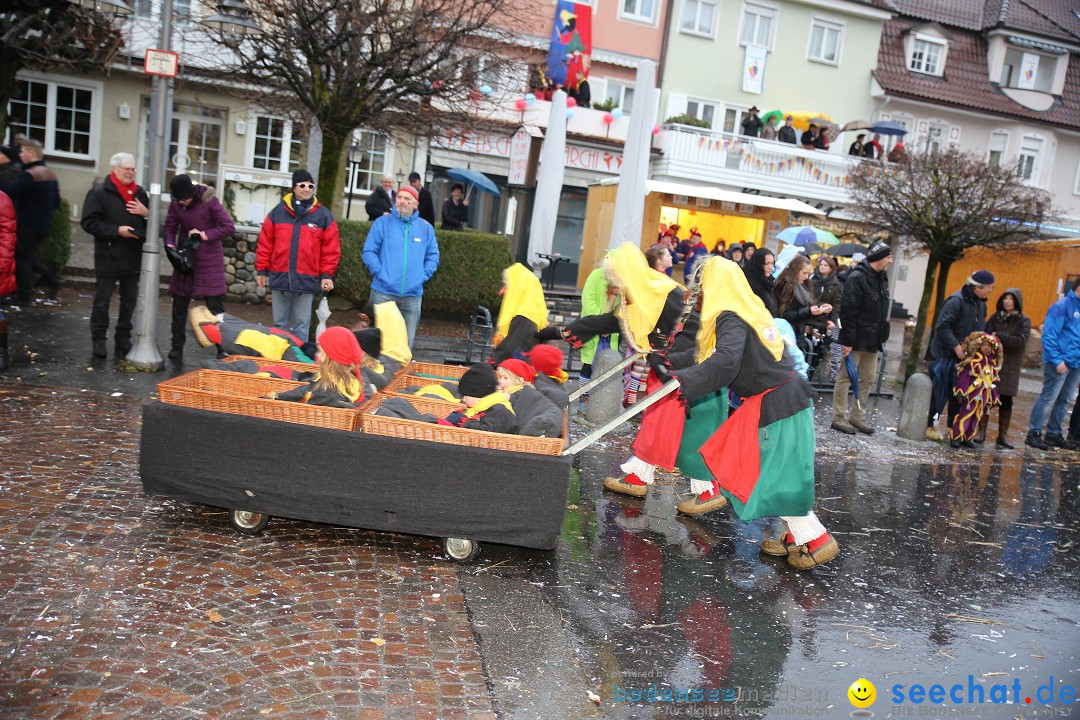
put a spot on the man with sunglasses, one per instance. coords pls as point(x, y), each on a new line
point(297, 255)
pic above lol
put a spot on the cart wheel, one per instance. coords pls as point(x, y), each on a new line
point(247, 522)
point(461, 550)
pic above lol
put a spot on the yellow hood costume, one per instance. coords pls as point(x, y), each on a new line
point(724, 289)
point(644, 293)
point(524, 296)
point(395, 338)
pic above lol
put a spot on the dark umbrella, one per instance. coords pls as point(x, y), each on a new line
point(846, 249)
point(812, 248)
point(886, 127)
point(853, 376)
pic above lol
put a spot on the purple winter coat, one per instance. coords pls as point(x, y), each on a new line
point(208, 215)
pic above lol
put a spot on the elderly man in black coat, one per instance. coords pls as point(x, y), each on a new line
point(864, 327)
point(115, 212)
point(963, 313)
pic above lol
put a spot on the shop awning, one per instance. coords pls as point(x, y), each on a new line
point(715, 193)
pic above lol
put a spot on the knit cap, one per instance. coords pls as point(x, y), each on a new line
point(522, 369)
point(547, 359)
point(370, 341)
point(301, 175)
point(878, 251)
point(478, 381)
point(411, 190)
point(981, 277)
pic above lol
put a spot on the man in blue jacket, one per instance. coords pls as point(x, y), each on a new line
point(1061, 373)
point(402, 254)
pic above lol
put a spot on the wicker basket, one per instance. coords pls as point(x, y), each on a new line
point(431, 432)
point(241, 394)
point(435, 370)
point(400, 382)
point(261, 361)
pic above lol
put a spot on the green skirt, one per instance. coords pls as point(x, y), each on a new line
point(785, 485)
point(707, 413)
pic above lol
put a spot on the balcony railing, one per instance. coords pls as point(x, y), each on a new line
point(752, 163)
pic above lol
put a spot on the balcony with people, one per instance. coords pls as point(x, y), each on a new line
point(753, 163)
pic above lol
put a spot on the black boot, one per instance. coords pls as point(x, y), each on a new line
point(4, 357)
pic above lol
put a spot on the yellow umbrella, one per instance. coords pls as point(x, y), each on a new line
point(802, 119)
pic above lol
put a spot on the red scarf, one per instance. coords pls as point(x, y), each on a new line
point(126, 191)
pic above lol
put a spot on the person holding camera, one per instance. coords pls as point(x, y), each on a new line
point(195, 225)
point(115, 212)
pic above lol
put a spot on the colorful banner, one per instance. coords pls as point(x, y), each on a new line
point(1029, 70)
point(571, 44)
point(753, 79)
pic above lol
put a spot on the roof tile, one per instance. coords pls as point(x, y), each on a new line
point(965, 83)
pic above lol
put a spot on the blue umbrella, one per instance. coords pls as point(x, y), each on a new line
point(800, 235)
point(887, 127)
point(474, 178)
point(853, 376)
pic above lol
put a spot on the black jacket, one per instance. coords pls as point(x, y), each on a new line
point(427, 206)
point(104, 212)
point(827, 291)
point(963, 313)
point(454, 217)
point(864, 309)
point(378, 204)
point(786, 134)
point(741, 362)
point(1013, 331)
point(36, 193)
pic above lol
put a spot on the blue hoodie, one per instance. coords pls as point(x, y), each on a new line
point(1061, 334)
point(401, 254)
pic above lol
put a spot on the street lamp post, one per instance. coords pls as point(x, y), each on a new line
point(356, 154)
point(145, 354)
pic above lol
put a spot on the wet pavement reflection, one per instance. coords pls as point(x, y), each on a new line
point(948, 570)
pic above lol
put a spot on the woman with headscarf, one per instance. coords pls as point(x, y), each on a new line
point(759, 270)
point(650, 315)
point(1013, 328)
point(522, 314)
point(763, 456)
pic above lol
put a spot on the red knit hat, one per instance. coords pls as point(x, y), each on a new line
point(522, 369)
point(547, 359)
point(411, 190)
point(340, 345)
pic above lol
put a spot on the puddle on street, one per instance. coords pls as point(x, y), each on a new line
point(946, 571)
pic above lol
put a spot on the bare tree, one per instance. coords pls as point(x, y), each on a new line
point(51, 34)
point(401, 67)
point(943, 203)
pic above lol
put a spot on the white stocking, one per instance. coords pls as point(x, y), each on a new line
point(805, 528)
point(639, 467)
point(700, 486)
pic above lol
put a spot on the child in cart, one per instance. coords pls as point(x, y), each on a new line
point(536, 415)
point(550, 377)
point(338, 382)
point(486, 407)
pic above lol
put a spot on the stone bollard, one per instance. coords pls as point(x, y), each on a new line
point(605, 400)
point(915, 407)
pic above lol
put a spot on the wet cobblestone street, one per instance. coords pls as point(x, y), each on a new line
point(117, 604)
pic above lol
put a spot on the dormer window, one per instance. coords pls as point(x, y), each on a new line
point(927, 56)
point(1027, 70)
